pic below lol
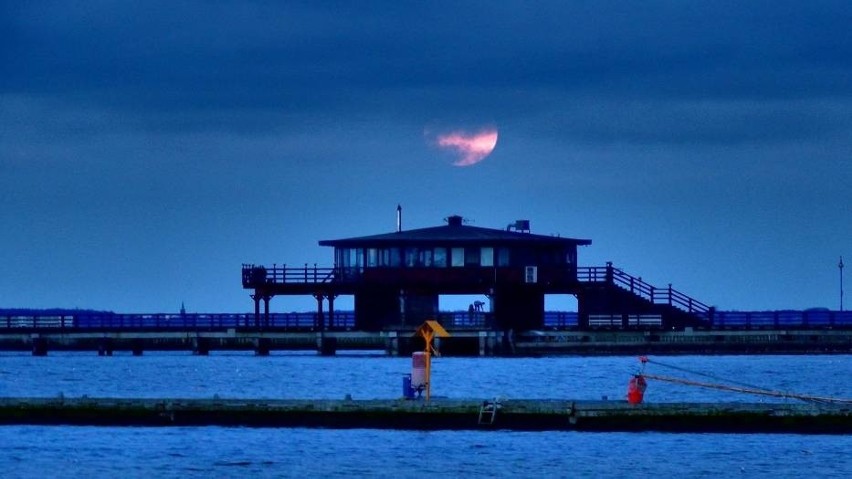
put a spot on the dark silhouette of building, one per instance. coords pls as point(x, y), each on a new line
point(396, 279)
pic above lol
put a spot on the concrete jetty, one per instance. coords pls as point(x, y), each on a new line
point(437, 414)
point(462, 343)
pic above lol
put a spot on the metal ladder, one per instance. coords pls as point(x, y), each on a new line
point(488, 412)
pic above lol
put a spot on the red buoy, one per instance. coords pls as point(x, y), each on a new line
point(636, 389)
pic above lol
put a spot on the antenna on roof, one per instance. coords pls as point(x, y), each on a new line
point(522, 226)
point(398, 218)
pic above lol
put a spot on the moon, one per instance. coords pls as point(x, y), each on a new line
point(470, 148)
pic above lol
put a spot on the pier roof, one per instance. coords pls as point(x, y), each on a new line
point(454, 234)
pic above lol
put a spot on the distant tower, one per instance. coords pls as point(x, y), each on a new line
point(398, 218)
point(182, 309)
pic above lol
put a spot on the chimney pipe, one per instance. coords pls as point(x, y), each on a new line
point(398, 218)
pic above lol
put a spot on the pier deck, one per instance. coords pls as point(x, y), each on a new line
point(437, 414)
point(469, 342)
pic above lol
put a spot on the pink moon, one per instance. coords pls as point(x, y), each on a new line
point(471, 148)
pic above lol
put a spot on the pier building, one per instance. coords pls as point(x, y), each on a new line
point(396, 279)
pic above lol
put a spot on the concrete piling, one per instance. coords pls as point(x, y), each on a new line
point(39, 346)
point(392, 344)
point(105, 347)
point(327, 346)
point(200, 346)
point(262, 346)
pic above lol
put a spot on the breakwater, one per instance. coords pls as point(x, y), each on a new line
point(437, 414)
point(462, 342)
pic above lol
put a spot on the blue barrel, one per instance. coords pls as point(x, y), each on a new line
point(407, 392)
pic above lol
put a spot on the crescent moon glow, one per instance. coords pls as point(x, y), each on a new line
point(471, 148)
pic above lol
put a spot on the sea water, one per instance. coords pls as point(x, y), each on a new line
point(196, 452)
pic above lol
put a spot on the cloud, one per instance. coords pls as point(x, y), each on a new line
point(471, 148)
point(256, 66)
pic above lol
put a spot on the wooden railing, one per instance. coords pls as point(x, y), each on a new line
point(611, 275)
point(254, 275)
point(777, 320)
point(257, 275)
point(168, 321)
point(789, 319)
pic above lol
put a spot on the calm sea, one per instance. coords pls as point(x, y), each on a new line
point(27, 451)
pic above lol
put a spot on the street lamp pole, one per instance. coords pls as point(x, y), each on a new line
point(840, 266)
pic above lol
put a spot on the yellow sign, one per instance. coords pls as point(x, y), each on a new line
point(429, 330)
point(433, 328)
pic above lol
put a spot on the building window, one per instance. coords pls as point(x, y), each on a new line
point(457, 257)
point(410, 257)
point(350, 257)
point(345, 257)
point(471, 256)
point(424, 258)
point(487, 256)
point(502, 256)
point(395, 258)
point(440, 258)
point(372, 257)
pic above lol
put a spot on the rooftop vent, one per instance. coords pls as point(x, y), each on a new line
point(522, 226)
point(454, 220)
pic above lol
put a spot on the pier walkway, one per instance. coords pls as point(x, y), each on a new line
point(437, 414)
point(462, 342)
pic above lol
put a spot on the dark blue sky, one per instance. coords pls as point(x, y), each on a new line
point(147, 151)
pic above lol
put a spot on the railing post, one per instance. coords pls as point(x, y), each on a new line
point(609, 272)
point(670, 294)
point(306, 272)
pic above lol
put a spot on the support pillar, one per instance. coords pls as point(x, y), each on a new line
point(319, 322)
point(39, 346)
point(326, 346)
point(201, 346)
point(256, 298)
point(266, 299)
point(329, 347)
point(331, 310)
point(392, 344)
point(137, 347)
point(105, 347)
point(493, 344)
point(262, 346)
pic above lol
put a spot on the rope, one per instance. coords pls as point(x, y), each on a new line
point(706, 375)
point(751, 390)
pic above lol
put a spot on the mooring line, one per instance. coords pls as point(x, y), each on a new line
point(751, 390)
